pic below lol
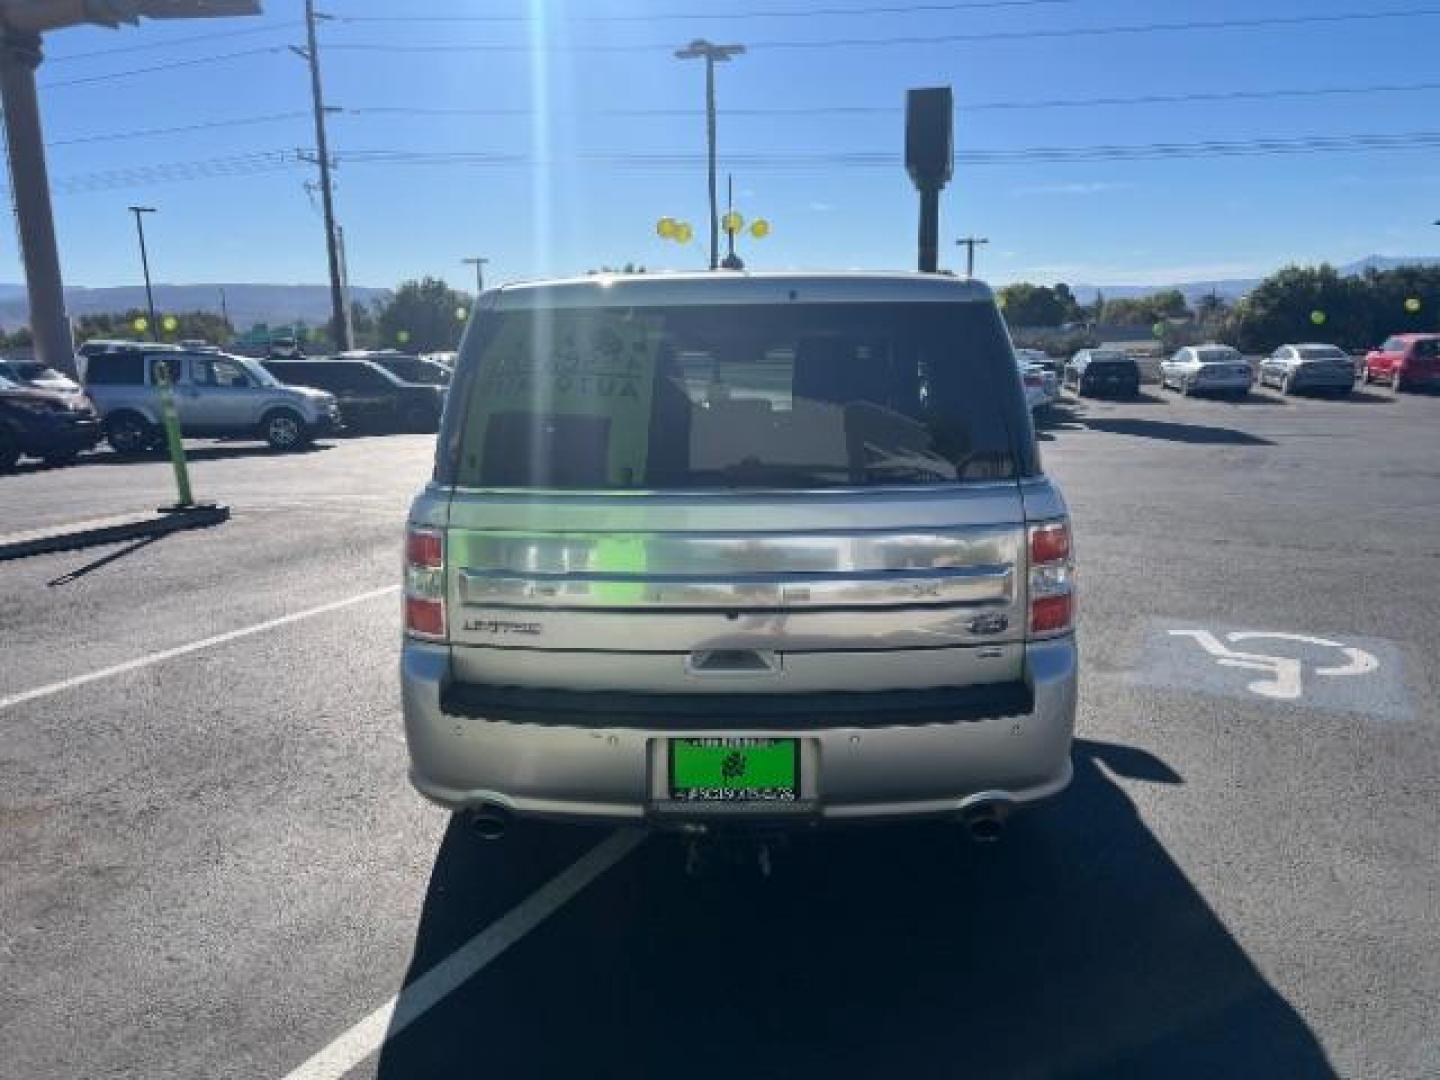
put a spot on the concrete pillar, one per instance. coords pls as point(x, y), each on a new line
point(19, 57)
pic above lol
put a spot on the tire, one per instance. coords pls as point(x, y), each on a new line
point(285, 430)
point(1287, 385)
point(418, 418)
point(9, 451)
point(1397, 384)
point(1186, 387)
point(129, 434)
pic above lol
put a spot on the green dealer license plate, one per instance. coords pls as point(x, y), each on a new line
point(735, 770)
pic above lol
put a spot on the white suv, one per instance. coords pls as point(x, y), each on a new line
point(215, 395)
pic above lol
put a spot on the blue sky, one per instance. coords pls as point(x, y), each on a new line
point(1082, 222)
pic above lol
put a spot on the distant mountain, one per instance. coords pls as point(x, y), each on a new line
point(276, 305)
point(1234, 288)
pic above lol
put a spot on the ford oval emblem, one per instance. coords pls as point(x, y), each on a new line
point(990, 623)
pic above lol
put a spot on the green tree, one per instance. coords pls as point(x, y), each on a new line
point(1304, 303)
point(204, 325)
point(1032, 305)
point(422, 316)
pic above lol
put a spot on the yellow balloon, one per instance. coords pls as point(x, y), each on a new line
point(1412, 305)
point(402, 336)
point(684, 233)
point(141, 324)
point(461, 314)
point(733, 222)
point(666, 227)
point(170, 323)
point(760, 228)
point(1318, 317)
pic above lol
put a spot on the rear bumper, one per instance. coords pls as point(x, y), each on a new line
point(600, 757)
point(62, 437)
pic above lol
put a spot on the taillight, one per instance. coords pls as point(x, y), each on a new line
point(1052, 579)
point(425, 583)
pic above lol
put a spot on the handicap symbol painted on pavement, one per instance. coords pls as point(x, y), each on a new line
point(1284, 671)
point(1340, 674)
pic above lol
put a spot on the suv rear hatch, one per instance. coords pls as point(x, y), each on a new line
point(744, 496)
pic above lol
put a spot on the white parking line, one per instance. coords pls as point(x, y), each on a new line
point(194, 646)
point(362, 1040)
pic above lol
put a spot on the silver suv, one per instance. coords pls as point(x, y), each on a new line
point(215, 395)
point(768, 549)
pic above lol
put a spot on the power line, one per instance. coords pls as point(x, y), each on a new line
point(272, 160)
point(855, 110)
point(754, 13)
point(801, 160)
point(1260, 22)
point(172, 66)
point(210, 125)
point(141, 175)
point(168, 43)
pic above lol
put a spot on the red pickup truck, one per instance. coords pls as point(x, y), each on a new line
point(1405, 361)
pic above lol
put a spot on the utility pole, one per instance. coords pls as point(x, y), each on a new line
point(479, 265)
point(20, 55)
point(224, 308)
point(711, 54)
point(339, 324)
point(145, 266)
point(969, 243)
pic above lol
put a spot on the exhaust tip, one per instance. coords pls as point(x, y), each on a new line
point(985, 828)
point(985, 820)
point(489, 822)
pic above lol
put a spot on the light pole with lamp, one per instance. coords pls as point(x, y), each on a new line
point(700, 49)
point(145, 266)
point(479, 265)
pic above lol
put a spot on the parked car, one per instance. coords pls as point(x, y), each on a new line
point(1097, 373)
point(410, 369)
point(1041, 386)
point(44, 424)
point(1213, 369)
point(371, 398)
point(1308, 367)
point(216, 395)
point(38, 376)
point(1043, 359)
point(1405, 362)
point(767, 550)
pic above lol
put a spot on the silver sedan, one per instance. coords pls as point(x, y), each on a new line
point(1308, 367)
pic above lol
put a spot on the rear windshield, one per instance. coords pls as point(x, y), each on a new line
point(737, 396)
point(1320, 352)
point(1217, 356)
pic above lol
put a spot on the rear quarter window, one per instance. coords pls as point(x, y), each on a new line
point(116, 369)
point(737, 396)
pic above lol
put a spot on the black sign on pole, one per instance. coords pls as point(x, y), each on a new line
point(930, 160)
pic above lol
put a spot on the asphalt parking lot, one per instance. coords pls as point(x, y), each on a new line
point(214, 866)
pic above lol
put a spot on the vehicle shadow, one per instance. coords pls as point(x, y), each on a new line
point(1174, 432)
point(210, 452)
point(1075, 947)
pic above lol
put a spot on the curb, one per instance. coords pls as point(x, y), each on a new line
point(167, 520)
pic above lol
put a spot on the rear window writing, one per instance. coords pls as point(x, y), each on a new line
point(737, 396)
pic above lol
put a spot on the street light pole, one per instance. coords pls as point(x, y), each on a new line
point(711, 54)
point(969, 243)
point(145, 266)
point(479, 265)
